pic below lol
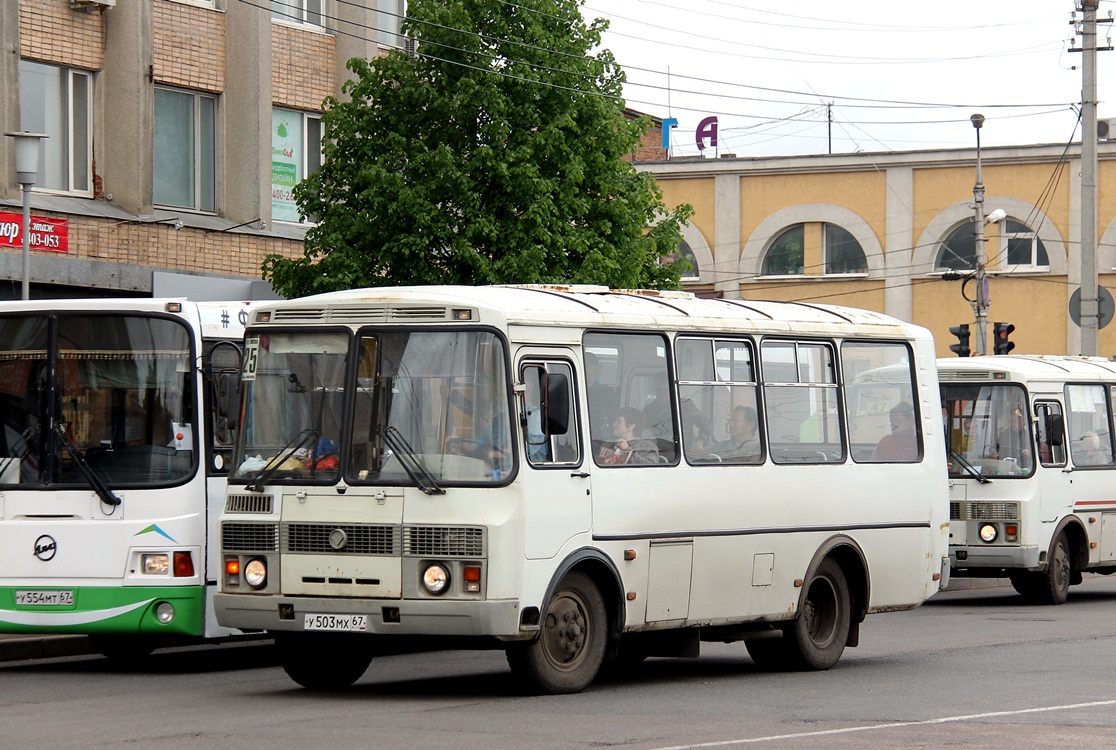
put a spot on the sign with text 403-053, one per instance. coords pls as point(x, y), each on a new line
point(46, 234)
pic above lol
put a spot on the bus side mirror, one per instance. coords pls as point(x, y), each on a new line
point(557, 408)
point(1055, 429)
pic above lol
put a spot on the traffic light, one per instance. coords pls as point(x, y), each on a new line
point(1000, 343)
point(961, 348)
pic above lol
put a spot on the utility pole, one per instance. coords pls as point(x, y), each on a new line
point(980, 302)
point(1090, 310)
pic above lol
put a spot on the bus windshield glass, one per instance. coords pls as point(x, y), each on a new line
point(428, 407)
point(95, 399)
point(988, 427)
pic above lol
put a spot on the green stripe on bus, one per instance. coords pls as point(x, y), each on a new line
point(106, 610)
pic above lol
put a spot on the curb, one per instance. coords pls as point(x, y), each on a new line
point(24, 647)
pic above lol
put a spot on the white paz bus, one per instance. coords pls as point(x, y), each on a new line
point(1032, 469)
point(577, 475)
point(117, 420)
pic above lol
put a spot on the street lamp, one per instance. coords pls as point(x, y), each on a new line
point(980, 305)
point(27, 172)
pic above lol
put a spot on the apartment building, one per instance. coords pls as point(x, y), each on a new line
point(176, 131)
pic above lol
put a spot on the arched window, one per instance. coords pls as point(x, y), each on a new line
point(1022, 247)
point(785, 255)
point(843, 253)
point(958, 252)
point(684, 251)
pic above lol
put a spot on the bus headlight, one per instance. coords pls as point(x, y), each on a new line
point(164, 613)
point(989, 532)
point(155, 565)
point(436, 578)
point(255, 573)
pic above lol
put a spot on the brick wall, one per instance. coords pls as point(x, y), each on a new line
point(303, 67)
point(50, 32)
point(189, 46)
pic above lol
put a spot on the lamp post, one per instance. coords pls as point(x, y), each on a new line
point(27, 172)
point(980, 304)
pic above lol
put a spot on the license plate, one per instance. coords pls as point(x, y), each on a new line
point(335, 622)
point(44, 598)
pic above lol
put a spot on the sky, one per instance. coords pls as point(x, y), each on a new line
point(769, 70)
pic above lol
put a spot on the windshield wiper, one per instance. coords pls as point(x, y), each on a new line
point(255, 484)
point(406, 454)
point(102, 490)
point(969, 468)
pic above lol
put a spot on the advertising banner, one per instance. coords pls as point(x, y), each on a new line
point(46, 234)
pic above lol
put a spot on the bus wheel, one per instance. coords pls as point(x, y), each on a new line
point(124, 649)
point(817, 636)
point(570, 648)
point(770, 654)
point(1054, 582)
point(323, 662)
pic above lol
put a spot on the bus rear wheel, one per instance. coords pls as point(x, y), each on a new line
point(323, 662)
point(570, 648)
point(817, 637)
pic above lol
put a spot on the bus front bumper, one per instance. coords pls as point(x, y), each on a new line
point(972, 559)
point(444, 617)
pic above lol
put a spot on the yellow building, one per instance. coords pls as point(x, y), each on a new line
point(890, 231)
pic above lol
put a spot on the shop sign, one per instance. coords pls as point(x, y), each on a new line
point(46, 234)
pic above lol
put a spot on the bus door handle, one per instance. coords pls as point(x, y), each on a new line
point(580, 474)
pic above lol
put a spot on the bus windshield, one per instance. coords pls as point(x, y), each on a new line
point(428, 407)
point(87, 400)
point(988, 427)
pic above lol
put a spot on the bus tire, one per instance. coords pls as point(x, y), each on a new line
point(1054, 582)
point(323, 662)
point(571, 645)
point(770, 654)
point(126, 650)
point(816, 639)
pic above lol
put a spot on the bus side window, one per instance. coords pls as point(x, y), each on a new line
point(1051, 433)
point(549, 427)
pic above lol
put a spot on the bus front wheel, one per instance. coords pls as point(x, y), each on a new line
point(570, 648)
point(1054, 582)
point(817, 637)
point(323, 662)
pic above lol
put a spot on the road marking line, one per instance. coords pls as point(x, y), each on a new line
point(892, 725)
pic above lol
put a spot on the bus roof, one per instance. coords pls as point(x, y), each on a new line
point(221, 320)
point(1026, 367)
point(582, 306)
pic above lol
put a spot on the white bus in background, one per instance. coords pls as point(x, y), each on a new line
point(568, 473)
point(117, 419)
point(1032, 469)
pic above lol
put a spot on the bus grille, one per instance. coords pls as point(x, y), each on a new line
point(358, 539)
point(992, 511)
point(249, 537)
point(955, 511)
point(248, 504)
point(443, 541)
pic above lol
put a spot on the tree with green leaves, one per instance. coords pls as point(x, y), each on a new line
point(492, 154)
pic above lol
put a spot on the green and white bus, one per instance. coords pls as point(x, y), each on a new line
point(117, 420)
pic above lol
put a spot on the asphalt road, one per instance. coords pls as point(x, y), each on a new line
point(970, 669)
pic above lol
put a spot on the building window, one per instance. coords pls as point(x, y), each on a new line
point(1022, 247)
point(785, 255)
point(387, 23)
point(296, 153)
point(57, 101)
point(958, 252)
point(185, 165)
point(298, 11)
point(843, 253)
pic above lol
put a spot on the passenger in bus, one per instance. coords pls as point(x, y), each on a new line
point(742, 445)
point(660, 423)
point(901, 444)
point(1013, 442)
point(627, 448)
point(602, 399)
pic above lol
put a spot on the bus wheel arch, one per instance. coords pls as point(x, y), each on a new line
point(579, 622)
point(1078, 539)
point(854, 565)
point(833, 603)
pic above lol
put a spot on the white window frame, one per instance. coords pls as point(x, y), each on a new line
point(197, 197)
point(1005, 239)
point(307, 165)
point(299, 12)
point(76, 157)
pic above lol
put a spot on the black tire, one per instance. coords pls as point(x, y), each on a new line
point(1052, 585)
point(1024, 584)
point(771, 654)
point(125, 650)
point(816, 639)
point(570, 648)
point(325, 661)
